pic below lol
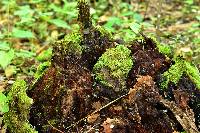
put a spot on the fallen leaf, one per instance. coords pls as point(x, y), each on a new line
point(10, 70)
point(92, 118)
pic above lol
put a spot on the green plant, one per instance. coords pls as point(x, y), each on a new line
point(18, 33)
point(59, 23)
point(10, 59)
point(6, 57)
point(3, 103)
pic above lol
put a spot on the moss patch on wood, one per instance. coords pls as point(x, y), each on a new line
point(41, 69)
point(162, 48)
point(17, 118)
point(113, 66)
point(179, 68)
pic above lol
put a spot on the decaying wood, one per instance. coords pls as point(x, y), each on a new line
point(185, 117)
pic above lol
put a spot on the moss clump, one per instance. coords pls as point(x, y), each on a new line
point(45, 55)
point(103, 32)
point(67, 49)
point(174, 73)
point(19, 105)
point(71, 44)
point(113, 66)
point(162, 48)
point(193, 73)
point(165, 49)
point(178, 69)
point(41, 69)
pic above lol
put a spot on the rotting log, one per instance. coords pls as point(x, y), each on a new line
point(93, 84)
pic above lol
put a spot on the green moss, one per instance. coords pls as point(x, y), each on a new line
point(67, 49)
point(41, 69)
point(113, 66)
point(165, 49)
point(16, 118)
point(103, 32)
point(162, 48)
point(45, 55)
point(178, 69)
point(174, 73)
point(193, 73)
point(69, 45)
point(72, 43)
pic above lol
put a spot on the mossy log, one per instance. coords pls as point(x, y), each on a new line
point(94, 84)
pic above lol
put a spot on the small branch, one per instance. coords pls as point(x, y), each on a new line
point(96, 111)
point(91, 128)
point(55, 128)
point(44, 47)
point(147, 6)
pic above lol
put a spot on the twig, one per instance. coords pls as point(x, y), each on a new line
point(55, 128)
point(147, 6)
point(96, 111)
point(44, 47)
point(91, 128)
point(159, 9)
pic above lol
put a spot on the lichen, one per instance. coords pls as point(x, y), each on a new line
point(176, 71)
point(113, 66)
point(16, 118)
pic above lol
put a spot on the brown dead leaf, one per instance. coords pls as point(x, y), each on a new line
point(131, 96)
point(107, 125)
point(179, 27)
point(118, 108)
point(142, 81)
point(3, 82)
point(96, 105)
point(175, 132)
point(92, 118)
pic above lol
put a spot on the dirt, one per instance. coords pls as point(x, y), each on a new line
point(68, 99)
